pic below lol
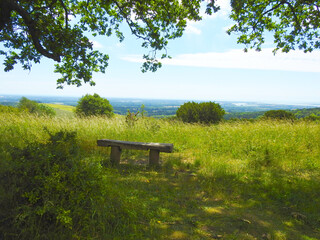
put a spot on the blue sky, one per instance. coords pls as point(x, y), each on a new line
point(206, 64)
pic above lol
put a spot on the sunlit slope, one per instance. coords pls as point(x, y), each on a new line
point(62, 110)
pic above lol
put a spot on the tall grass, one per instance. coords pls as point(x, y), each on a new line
point(239, 146)
point(255, 165)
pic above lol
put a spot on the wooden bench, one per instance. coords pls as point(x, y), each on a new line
point(117, 146)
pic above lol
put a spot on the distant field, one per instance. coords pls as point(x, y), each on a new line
point(61, 107)
point(62, 110)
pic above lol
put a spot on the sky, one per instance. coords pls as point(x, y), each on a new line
point(207, 64)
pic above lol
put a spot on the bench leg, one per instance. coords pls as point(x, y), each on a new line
point(154, 157)
point(115, 155)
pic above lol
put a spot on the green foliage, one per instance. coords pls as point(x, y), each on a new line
point(131, 118)
point(188, 112)
point(205, 112)
point(33, 107)
point(239, 180)
point(94, 105)
point(58, 29)
point(37, 179)
point(279, 114)
point(305, 112)
point(9, 109)
point(46, 110)
point(48, 192)
point(243, 115)
point(294, 24)
point(312, 117)
point(143, 112)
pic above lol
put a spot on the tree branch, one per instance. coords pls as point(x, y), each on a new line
point(30, 23)
point(129, 22)
point(66, 12)
point(271, 9)
point(264, 13)
point(44, 7)
point(294, 14)
point(282, 2)
point(5, 12)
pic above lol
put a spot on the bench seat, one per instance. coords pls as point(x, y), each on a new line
point(117, 146)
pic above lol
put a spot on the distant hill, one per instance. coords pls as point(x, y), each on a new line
point(299, 113)
point(163, 108)
point(62, 110)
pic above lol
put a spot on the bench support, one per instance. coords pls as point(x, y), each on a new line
point(115, 155)
point(154, 149)
point(154, 157)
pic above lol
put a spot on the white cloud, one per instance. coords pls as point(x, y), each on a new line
point(96, 44)
point(119, 44)
point(237, 59)
point(225, 9)
point(192, 29)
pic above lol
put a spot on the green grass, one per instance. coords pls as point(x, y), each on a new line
point(237, 180)
point(61, 106)
point(62, 110)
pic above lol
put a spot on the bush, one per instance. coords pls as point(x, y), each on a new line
point(279, 114)
point(205, 112)
point(9, 109)
point(93, 105)
point(33, 107)
point(312, 117)
point(48, 192)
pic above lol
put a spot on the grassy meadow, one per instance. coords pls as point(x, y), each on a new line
point(62, 110)
point(233, 180)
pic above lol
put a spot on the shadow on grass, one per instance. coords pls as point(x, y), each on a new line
point(177, 202)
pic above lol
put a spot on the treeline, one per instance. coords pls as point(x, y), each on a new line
point(151, 110)
point(29, 106)
point(154, 108)
point(156, 111)
point(305, 112)
point(243, 115)
point(299, 113)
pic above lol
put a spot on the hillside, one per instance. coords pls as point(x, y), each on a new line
point(62, 110)
point(236, 180)
point(299, 113)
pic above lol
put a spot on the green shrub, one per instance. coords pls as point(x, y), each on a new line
point(312, 117)
point(205, 112)
point(33, 107)
point(131, 118)
point(46, 110)
point(47, 192)
point(279, 114)
point(94, 105)
point(9, 109)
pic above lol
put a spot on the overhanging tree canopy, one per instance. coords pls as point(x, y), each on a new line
point(58, 29)
point(294, 23)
